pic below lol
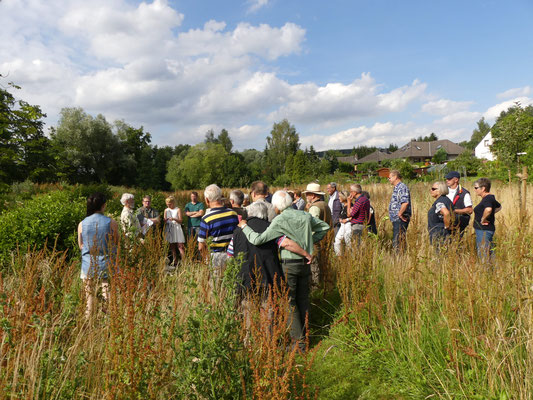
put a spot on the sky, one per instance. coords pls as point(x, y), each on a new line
point(344, 73)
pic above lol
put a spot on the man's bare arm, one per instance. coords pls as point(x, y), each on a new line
point(293, 247)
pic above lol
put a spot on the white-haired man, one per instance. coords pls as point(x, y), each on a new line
point(217, 224)
point(305, 230)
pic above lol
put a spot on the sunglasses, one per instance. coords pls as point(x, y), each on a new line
point(476, 187)
point(432, 189)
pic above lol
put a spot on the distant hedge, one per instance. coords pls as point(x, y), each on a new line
point(41, 221)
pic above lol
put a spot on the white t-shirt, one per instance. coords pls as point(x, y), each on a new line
point(331, 200)
point(451, 195)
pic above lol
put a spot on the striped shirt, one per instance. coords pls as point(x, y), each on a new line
point(360, 213)
point(218, 224)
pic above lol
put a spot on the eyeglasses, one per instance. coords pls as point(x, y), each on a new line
point(432, 189)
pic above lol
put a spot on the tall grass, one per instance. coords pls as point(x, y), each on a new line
point(416, 325)
point(428, 324)
point(159, 335)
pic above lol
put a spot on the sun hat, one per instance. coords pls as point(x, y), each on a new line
point(313, 188)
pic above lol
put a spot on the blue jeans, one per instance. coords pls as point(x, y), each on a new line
point(484, 244)
point(399, 228)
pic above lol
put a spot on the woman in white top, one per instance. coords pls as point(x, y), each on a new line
point(344, 234)
point(173, 232)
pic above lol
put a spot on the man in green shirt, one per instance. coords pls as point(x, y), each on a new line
point(194, 211)
point(305, 230)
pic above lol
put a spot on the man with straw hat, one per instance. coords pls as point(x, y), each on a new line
point(318, 208)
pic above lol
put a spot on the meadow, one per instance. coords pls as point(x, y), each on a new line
point(417, 325)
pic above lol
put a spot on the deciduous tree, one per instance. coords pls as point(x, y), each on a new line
point(25, 152)
point(87, 149)
point(282, 142)
point(513, 133)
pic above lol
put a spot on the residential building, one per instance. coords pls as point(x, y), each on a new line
point(482, 150)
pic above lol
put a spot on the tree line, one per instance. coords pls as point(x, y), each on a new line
point(87, 149)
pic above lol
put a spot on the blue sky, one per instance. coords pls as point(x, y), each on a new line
point(345, 73)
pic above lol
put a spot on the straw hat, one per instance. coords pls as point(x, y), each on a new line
point(313, 188)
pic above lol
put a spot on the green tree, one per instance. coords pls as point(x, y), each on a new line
point(440, 156)
point(210, 137)
point(362, 151)
point(405, 168)
point(282, 142)
point(224, 139)
point(430, 138)
point(255, 160)
point(512, 133)
point(331, 157)
point(477, 134)
point(298, 167)
point(235, 171)
point(202, 165)
point(25, 152)
point(135, 143)
point(466, 161)
point(312, 156)
point(87, 149)
point(392, 147)
point(345, 167)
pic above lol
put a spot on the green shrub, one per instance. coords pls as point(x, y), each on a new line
point(44, 220)
point(405, 168)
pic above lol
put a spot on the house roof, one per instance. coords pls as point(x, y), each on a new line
point(348, 159)
point(377, 156)
point(415, 149)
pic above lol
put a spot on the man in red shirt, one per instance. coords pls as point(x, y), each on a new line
point(360, 212)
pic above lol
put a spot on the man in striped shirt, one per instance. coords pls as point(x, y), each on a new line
point(360, 213)
point(218, 224)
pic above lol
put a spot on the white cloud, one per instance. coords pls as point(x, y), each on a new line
point(460, 118)
point(379, 134)
point(398, 99)
point(515, 92)
point(335, 102)
point(255, 5)
point(135, 62)
point(445, 106)
point(493, 112)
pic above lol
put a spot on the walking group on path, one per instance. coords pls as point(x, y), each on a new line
point(278, 237)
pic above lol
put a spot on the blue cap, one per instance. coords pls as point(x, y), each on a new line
point(452, 174)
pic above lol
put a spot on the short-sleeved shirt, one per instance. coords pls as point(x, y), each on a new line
point(218, 224)
point(400, 195)
point(435, 217)
point(360, 212)
point(487, 201)
point(194, 221)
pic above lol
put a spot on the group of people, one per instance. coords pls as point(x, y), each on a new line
point(449, 214)
point(277, 237)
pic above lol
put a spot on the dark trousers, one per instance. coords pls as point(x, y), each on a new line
point(297, 277)
point(399, 228)
point(438, 237)
point(193, 231)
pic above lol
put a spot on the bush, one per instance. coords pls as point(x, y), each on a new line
point(466, 161)
point(405, 168)
point(45, 220)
